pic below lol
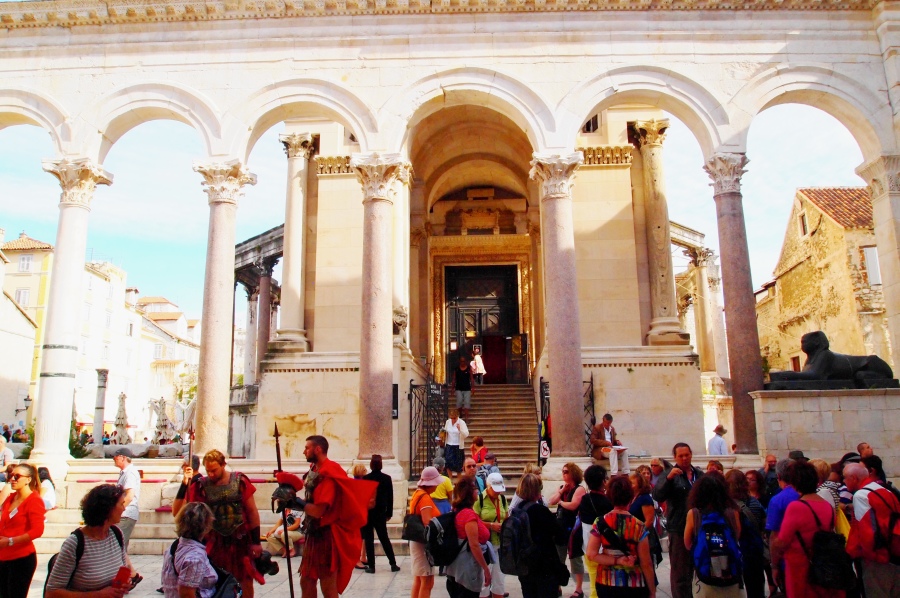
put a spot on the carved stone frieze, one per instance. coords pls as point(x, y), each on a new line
point(607, 155)
point(70, 13)
point(651, 132)
point(333, 165)
point(725, 170)
point(882, 175)
point(555, 173)
point(297, 145)
point(78, 179)
point(416, 236)
point(224, 181)
point(377, 173)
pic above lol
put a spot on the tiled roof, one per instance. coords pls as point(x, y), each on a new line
point(146, 300)
point(192, 323)
point(24, 242)
point(850, 207)
point(165, 315)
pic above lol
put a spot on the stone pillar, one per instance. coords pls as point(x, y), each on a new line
point(250, 343)
point(701, 258)
point(377, 173)
point(665, 328)
point(555, 174)
point(883, 177)
point(725, 170)
point(717, 321)
point(416, 239)
point(62, 332)
point(100, 407)
point(400, 288)
point(292, 333)
point(264, 325)
point(223, 182)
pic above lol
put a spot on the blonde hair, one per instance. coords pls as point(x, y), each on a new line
point(214, 455)
point(823, 469)
point(358, 470)
point(533, 468)
point(529, 487)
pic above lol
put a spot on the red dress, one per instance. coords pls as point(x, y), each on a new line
point(798, 518)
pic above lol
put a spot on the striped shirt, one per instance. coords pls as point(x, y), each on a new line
point(631, 530)
point(191, 569)
point(96, 569)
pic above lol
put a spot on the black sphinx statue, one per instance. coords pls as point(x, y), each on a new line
point(825, 369)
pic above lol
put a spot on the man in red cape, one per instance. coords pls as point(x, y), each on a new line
point(336, 508)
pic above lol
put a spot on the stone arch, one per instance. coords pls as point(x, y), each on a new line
point(27, 107)
point(126, 108)
point(470, 85)
point(299, 97)
point(867, 116)
point(686, 99)
point(507, 174)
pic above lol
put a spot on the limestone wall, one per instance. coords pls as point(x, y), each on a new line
point(828, 423)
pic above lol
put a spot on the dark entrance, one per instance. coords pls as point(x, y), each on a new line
point(483, 310)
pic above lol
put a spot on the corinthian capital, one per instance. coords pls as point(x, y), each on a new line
point(651, 132)
point(377, 173)
point(555, 172)
point(297, 145)
point(701, 256)
point(78, 179)
point(882, 174)
point(224, 180)
point(725, 170)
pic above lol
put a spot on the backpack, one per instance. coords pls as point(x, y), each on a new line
point(226, 584)
point(891, 539)
point(79, 552)
point(442, 545)
point(716, 553)
point(751, 541)
point(518, 551)
point(829, 564)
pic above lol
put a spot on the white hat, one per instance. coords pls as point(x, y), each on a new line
point(496, 482)
point(430, 478)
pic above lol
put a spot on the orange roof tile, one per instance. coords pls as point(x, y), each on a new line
point(192, 323)
point(164, 315)
point(24, 242)
point(146, 300)
point(850, 207)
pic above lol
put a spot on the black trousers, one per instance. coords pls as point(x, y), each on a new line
point(15, 576)
point(377, 525)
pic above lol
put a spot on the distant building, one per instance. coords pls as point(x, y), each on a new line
point(827, 278)
point(17, 333)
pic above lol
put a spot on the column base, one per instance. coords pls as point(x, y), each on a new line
point(57, 462)
point(289, 341)
point(667, 331)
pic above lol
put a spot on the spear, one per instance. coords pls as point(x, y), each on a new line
point(284, 521)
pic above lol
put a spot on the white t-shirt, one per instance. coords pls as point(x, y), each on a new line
point(130, 479)
point(6, 457)
point(49, 494)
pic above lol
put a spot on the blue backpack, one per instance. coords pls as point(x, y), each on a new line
point(717, 554)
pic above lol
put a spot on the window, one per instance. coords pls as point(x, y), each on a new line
point(873, 271)
point(84, 345)
point(25, 262)
point(795, 363)
point(591, 126)
point(129, 330)
point(105, 351)
point(111, 291)
point(157, 351)
point(108, 319)
point(128, 357)
point(22, 297)
point(804, 226)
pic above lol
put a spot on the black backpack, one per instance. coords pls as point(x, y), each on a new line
point(829, 564)
point(518, 552)
point(79, 552)
point(442, 545)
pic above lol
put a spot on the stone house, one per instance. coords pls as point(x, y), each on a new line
point(827, 278)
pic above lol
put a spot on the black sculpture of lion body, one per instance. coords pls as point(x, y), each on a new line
point(824, 364)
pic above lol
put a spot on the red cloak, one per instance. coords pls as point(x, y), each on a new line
point(346, 516)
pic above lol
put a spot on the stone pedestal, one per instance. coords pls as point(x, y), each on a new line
point(744, 358)
point(62, 332)
point(223, 182)
point(563, 327)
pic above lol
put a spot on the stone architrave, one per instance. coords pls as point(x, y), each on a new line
point(555, 174)
point(725, 170)
point(100, 407)
point(702, 257)
point(250, 337)
point(264, 322)
point(223, 182)
point(377, 173)
point(665, 326)
point(299, 148)
point(883, 178)
point(62, 333)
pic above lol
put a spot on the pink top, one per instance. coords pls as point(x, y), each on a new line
point(466, 515)
point(798, 517)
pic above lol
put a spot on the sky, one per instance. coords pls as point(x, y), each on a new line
point(153, 220)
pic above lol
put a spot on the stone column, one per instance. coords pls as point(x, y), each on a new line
point(883, 177)
point(265, 319)
point(555, 174)
point(717, 321)
point(223, 182)
point(377, 173)
point(250, 343)
point(400, 290)
point(725, 170)
point(701, 258)
point(62, 332)
point(100, 407)
point(416, 239)
point(292, 333)
point(665, 328)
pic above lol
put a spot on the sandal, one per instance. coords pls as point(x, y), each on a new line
point(577, 594)
point(136, 579)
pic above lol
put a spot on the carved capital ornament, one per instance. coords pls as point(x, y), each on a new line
point(297, 145)
point(78, 179)
point(555, 173)
point(725, 170)
point(377, 173)
point(651, 132)
point(882, 174)
point(224, 180)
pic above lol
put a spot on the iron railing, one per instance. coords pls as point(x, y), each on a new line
point(544, 427)
point(589, 417)
point(428, 414)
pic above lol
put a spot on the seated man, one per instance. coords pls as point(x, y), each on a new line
point(605, 445)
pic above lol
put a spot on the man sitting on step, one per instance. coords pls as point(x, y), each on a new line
point(605, 445)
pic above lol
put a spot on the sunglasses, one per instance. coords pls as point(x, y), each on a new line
point(565, 471)
point(15, 476)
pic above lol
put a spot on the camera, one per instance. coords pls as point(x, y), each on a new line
point(265, 565)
